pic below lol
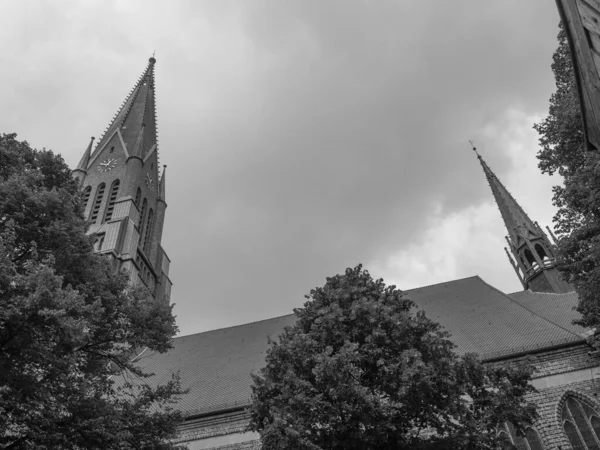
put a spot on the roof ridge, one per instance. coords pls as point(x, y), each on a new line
point(234, 326)
point(441, 282)
point(529, 291)
point(527, 309)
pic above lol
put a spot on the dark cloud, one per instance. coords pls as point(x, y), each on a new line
point(301, 137)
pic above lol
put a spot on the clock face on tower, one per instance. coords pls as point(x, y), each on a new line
point(107, 164)
point(149, 181)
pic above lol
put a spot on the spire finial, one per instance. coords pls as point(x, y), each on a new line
point(475, 149)
point(152, 58)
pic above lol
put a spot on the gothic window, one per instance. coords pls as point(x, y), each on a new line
point(530, 441)
point(541, 253)
point(142, 217)
point(97, 202)
point(581, 424)
point(138, 197)
point(110, 207)
point(533, 439)
point(529, 256)
point(148, 235)
point(86, 196)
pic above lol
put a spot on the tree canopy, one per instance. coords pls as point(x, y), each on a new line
point(361, 369)
point(577, 221)
point(69, 322)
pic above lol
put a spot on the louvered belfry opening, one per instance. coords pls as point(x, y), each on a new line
point(148, 234)
point(142, 218)
point(138, 197)
point(110, 207)
point(87, 192)
point(97, 202)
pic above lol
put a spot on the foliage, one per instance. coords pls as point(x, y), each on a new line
point(578, 201)
point(69, 323)
point(361, 369)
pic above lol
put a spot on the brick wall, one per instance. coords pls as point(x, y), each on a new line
point(549, 400)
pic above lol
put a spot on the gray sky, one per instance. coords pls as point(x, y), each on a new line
point(302, 137)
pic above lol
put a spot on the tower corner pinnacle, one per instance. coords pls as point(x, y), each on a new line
point(85, 159)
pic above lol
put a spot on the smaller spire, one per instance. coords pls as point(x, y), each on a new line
point(161, 185)
point(551, 234)
point(85, 159)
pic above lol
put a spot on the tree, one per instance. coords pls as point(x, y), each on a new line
point(69, 322)
point(577, 220)
point(361, 370)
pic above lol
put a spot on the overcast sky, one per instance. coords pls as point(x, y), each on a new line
point(302, 137)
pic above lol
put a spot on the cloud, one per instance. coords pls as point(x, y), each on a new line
point(302, 137)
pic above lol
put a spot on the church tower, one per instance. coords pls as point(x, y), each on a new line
point(533, 256)
point(124, 195)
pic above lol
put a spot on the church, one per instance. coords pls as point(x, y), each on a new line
point(125, 197)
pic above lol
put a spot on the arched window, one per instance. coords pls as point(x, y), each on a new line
point(541, 251)
point(507, 443)
point(87, 192)
point(138, 197)
point(149, 230)
point(531, 440)
point(581, 424)
point(142, 218)
point(110, 206)
point(529, 256)
point(97, 202)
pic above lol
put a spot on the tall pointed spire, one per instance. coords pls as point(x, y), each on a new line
point(516, 220)
point(136, 118)
point(123, 196)
point(533, 253)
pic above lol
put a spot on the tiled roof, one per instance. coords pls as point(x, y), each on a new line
point(216, 365)
point(556, 308)
point(483, 320)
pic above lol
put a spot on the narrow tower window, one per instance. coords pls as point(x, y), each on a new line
point(97, 202)
point(138, 197)
point(148, 235)
point(142, 217)
point(110, 207)
point(86, 197)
